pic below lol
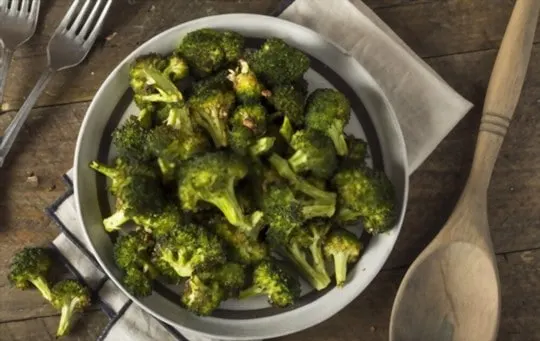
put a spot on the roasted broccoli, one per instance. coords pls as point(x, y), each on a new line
point(272, 280)
point(247, 87)
point(189, 248)
point(328, 111)
point(304, 249)
point(217, 81)
point(314, 153)
point(286, 130)
point(129, 140)
point(211, 110)
point(202, 298)
point(212, 178)
point(365, 194)
point(276, 62)
point(136, 282)
point(248, 122)
point(238, 245)
point(344, 248)
point(357, 153)
point(262, 146)
point(122, 170)
point(230, 276)
point(289, 100)
point(177, 67)
point(30, 267)
point(133, 250)
point(208, 50)
point(69, 297)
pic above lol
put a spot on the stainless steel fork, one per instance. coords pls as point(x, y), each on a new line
point(67, 48)
point(18, 20)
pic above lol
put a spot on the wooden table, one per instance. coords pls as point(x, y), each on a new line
point(459, 39)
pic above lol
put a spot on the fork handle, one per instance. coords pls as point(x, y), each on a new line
point(7, 55)
point(15, 126)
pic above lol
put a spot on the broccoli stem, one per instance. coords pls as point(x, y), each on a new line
point(262, 146)
point(213, 123)
point(168, 92)
point(347, 215)
point(282, 167)
point(108, 171)
point(179, 119)
point(318, 258)
point(65, 318)
point(249, 292)
point(41, 284)
point(299, 161)
point(340, 266)
point(335, 132)
point(115, 221)
point(180, 264)
point(145, 118)
point(286, 129)
point(318, 210)
point(317, 279)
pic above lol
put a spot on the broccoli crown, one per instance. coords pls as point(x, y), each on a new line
point(202, 298)
point(137, 282)
point(240, 248)
point(272, 280)
point(69, 296)
point(217, 81)
point(314, 153)
point(229, 276)
point(365, 194)
point(282, 212)
point(289, 100)
point(212, 178)
point(276, 62)
point(189, 248)
point(245, 83)
point(328, 110)
point(247, 122)
point(211, 110)
point(130, 140)
point(134, 250)
point(30, 266)
point(177, 67)
point(344, 248)
point(137, 78)
point(207, 50)
point(357, 152)
point(161, 222)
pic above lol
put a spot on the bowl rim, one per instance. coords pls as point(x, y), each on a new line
point(330, 310)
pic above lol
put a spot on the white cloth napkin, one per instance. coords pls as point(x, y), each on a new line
point(427, 109)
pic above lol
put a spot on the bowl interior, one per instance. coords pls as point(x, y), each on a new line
point(372, 119)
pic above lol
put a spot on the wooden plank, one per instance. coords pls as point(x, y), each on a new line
point(431, 28)
point(377, 4)
point(367, 317)
point(88, 328)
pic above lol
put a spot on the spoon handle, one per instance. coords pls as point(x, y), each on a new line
point(504, 89)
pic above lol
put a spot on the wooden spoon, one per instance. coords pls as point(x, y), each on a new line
point(451, 292)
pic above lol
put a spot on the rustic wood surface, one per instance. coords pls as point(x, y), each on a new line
point(459, 39)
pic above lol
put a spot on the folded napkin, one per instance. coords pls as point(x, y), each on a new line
point(426, 107)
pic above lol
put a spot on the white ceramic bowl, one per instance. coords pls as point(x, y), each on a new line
point(373, 119)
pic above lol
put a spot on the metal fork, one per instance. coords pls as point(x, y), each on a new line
point(18, 20)
point(67, 48)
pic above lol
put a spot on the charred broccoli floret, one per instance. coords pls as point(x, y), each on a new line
point(299, 183)
point(367, 195)
point(130, 140)
point(357, 152)
point(239, 246)
point(190, 248)
point(314, 153)
point(69, 297)
point(29, 267)
point(212, 178)
point(133, 250)
point(328, 111)
point(136, 282)
point(245, 83)
point(344, 248)
point(248, 122)
point(122, 170)
point(202, 298)
point(211, 110)
point(177, 67)
point(289, 100)
point(217, 81)
point(230, 276)
point(161, 221)
point(272, 280)
point(276, 62)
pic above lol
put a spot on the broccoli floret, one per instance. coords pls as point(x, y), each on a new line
point(136, 282)
point(314, 153)
point(122, 170)
point(299, 183)
point(357, 152)
point(344, 248)
point(289, 100)
point(212, 178)
point(218, 81)
point(177, 68)
point(367, 195)
point(189, 248)
point(207, 50)
point(149, 82)
point(230, 276)
point(162, 221)
point(30, 266)
point(202, 298)
point(245, 83)
point(178, 118)
point(239, 247)
point(70, 297)
point(328, 111)
point(211, 110)
point(133, 250)
point(130, 140)
point(248, 122)
point(262, 146)
point(276, 62)
point(272, 280)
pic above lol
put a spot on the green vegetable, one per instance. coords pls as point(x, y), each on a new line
point(29, 267)
point(343, 248)
point(69, 297)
